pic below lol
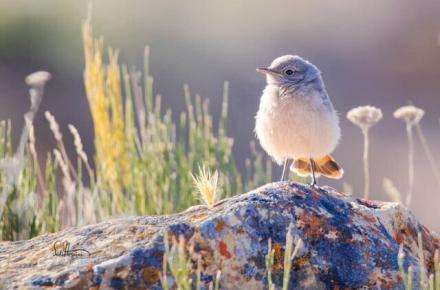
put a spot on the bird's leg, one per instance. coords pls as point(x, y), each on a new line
point(312, 172)
point(284, 170)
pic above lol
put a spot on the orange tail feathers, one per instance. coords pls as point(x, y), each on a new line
point(325, 166)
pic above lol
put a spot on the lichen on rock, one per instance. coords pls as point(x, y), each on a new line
point(348, 243)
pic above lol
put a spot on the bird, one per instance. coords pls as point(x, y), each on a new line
point(297, 120)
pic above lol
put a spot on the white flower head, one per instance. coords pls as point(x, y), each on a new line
point(409, 114)
point(38, 79)
point(365, 116)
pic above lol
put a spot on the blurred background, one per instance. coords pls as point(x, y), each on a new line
point(379, 53)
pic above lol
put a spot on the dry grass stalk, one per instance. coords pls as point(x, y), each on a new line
point(36, 163)
point(365, 117)
point(81, 153)
point(391, 190)
point(289, 255)
point(411, 115)
point(428, 152)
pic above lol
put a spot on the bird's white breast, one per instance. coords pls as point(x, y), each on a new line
point(296, 124)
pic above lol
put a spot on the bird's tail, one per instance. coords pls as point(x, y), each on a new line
point(325, 166)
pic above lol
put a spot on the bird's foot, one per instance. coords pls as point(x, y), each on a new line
point(314, 185)
point(317, 187)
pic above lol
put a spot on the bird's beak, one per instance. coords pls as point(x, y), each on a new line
point(266, 70)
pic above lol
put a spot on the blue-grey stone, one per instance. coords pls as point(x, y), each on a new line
point(349, 243)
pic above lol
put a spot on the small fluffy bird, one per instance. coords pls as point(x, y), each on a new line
point(296, 119)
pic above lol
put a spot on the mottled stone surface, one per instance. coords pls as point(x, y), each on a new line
point(348, 243)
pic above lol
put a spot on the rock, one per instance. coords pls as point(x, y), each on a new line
point(348, 243)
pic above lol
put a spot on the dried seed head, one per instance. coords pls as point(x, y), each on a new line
point(38, 79)
point(63, 165)
point(207, 185)
point(364, 116)
point(409, 114)
point(54, 127)
point(78, 143)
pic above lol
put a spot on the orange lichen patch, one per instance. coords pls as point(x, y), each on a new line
point(372, 203)
point(370, 219)
point(409, 231)
point(122, 272)
point(314, 223)
point(220, 225)
point(366, 241)
point(405, 235)
point(300, 193)
point(224, 250)
point(241, 230)
point(316, 197)
point(383, 282)
point(89, 267)
point(398, 237)
point(354, 242)
point(278, 257)
point(150, 275)
point(199, 216)
point(372, 229)
point(301, 261)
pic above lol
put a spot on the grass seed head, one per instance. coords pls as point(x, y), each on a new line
point(207, 185)
point(54, 127)
point(78, 143)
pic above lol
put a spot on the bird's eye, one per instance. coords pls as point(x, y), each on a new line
point(289, 72)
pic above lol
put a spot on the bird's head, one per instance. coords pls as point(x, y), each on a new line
point(290, 70)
